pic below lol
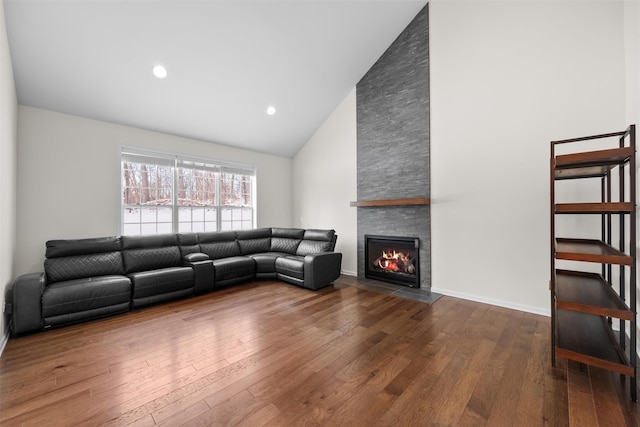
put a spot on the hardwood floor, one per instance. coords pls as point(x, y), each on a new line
point(273, 354)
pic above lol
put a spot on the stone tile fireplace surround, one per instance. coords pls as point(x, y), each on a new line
point(393, 144)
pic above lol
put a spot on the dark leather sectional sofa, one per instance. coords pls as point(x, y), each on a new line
point(90, 278)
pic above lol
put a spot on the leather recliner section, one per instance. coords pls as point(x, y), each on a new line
point(154, 265)
point(83, 284)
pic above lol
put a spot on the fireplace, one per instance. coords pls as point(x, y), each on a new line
point(393, 259)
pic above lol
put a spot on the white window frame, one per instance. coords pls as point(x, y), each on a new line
point(247, 214)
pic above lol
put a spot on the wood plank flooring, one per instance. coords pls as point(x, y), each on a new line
point(272, 354)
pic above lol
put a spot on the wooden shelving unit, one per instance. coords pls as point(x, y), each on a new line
point(584, 304)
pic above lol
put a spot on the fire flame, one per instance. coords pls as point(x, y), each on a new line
point(391, 261)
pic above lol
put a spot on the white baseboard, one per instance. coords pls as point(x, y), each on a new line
point(5, 340)
point(348, 273)
point(499, 303)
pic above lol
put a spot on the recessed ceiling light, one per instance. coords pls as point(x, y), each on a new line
point(159, 71)
point(271, 110)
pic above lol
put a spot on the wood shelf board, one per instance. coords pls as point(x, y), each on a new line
point(590, 164)
point(583, 172)
point(416, 201)
point(593, 208)
point(588, 339)
point(589, 293)
point(612, 156)
point(590, 251)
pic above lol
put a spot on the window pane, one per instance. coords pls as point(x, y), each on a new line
point(148, 214)
point(237, 214)
point(184, 214)
point(165, 214)
point(235, 189)
point(131, 215)
point(210, 198)
point(197, 214)
point(226, 214)
point(196, 187)
point(130, 196)
point(148, 228)
point(210, 226)
point(184, 227)
point(210, 214)
point(164, 227)
point(153, 196)
point(226, 226)
point(197, 226)
point(131, 229)
point(131, 180)
point(247, 225)
point(165, 185)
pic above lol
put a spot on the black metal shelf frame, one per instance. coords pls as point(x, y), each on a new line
point(614, 216)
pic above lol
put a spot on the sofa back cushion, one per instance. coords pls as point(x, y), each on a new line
point(153, 252)
point(76, 259)
point(286, 239)
point(316, 241)
point(254, 241)
point(188, 243)
point(219, 244)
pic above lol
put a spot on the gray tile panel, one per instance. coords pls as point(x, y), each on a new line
point(393, 150)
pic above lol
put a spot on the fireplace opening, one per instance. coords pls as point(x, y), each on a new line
point(393, 259)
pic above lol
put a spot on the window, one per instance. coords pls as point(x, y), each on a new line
point(164, 194)
point(147, 196)
point(236, 205)
point(197, 201)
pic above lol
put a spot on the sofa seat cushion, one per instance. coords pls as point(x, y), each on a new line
point(233, 267)
point(266, 261)
point(79, 295)
point(163, 281)
point(291, 265)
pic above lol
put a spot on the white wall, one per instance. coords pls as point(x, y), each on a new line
point(507, 78)
point(325, 181)
point(632, 60)
point(8, 141)
point(632, 90)
point(69, 178)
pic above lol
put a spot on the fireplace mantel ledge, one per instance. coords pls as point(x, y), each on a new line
point(391, 202)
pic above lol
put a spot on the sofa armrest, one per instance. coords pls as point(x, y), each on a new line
point(321, 269)
point(25, 297)
point(191, 258)
point(203, 270)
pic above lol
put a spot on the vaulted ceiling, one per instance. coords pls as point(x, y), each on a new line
point(226, 62)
